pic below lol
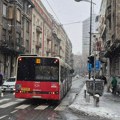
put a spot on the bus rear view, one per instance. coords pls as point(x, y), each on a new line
point(37, 77)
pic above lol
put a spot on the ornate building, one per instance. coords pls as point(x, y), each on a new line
point(109, 31)
point(15, 23)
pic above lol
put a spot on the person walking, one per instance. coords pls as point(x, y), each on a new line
point(114, 85)
point(1, 79)
point(104, 78)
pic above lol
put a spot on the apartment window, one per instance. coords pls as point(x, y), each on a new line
point(33, 19)
point(22, 22)
point(28, 8)
point(4, 10)
point(4, 34)
point(18, 15)
point(27, 45)
point(18, 37)
point(10, 12)
point(27, 26)
point(38, 21)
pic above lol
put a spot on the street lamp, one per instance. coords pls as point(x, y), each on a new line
point(90, 27)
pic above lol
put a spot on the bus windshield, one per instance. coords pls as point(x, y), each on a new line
point(38, 69)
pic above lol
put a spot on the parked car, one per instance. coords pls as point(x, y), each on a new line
point(9, 85)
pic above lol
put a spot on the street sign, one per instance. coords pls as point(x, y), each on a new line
point(89, 67)
point(97, 65)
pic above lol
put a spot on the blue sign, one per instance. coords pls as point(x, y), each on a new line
point(89, 67)
point(97, 65)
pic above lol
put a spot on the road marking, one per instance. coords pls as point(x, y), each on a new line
point(20, 100)
point(3, 116)
point(60, 108)
point(4, 100)
point(65, 103)
point(14, 111)
point(8, 104)
point(22, 106)
point(41, 107)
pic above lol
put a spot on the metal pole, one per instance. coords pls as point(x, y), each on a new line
point(90, 33)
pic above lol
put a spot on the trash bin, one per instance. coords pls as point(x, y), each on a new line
point(95, 87)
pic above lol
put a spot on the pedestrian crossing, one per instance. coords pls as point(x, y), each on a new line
point(41, 107)
point(22, 106)
point(3, 100)
point(19, 104)
point(8, 103)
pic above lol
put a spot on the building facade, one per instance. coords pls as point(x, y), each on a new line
point(109, 30)
point(86, 34)
point(15, 21)
point(41, 30)
point(26, 27)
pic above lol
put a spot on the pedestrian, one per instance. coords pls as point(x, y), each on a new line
point(104, 78)
point(1, 79)
point(114, 84)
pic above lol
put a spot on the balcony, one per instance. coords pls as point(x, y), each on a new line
point(54, 34)
point(38, 29)
point(38, 45)
point(6, 47)
point(102, 57)
point(49, 38)
point(112, 49)
point(48, 50)
point(20, 48)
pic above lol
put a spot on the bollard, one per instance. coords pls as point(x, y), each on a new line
point(96, 100)
point(84, 93)
point(1, 94)
point(87, 98)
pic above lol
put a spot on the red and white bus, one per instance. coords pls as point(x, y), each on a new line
point(42, 77)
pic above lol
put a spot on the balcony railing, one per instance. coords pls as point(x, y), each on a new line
point(38, 45)
point(48, 50)
point(38, 29)
point(49, 38)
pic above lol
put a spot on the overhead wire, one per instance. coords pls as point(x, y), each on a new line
point(59, 19)
point(72, 23)
point(53, 11)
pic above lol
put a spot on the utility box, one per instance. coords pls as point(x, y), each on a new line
point(95, 87)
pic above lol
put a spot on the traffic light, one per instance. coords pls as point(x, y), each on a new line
point(91, 60)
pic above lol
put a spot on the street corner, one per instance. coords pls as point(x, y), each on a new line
point(83, 106)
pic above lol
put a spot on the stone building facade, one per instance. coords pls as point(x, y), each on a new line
point(15, 21)
point(110, 34)
point(26, 27)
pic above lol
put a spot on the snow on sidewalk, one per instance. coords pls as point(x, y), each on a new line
point(109, 105)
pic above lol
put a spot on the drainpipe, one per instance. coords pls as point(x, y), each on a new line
point(43, 41)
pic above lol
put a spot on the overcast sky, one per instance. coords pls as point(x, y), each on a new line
point(69, 11)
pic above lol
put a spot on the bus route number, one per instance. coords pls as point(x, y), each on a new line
point(38, 61)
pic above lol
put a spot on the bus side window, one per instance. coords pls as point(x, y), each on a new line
point(62, 74)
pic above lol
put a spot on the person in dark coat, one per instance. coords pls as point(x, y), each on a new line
point(1, 79)
point(104, 78)
point(114, 85)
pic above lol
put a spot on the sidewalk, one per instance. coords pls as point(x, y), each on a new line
point(109, 106)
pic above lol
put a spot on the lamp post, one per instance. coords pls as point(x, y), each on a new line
point(90, 27)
